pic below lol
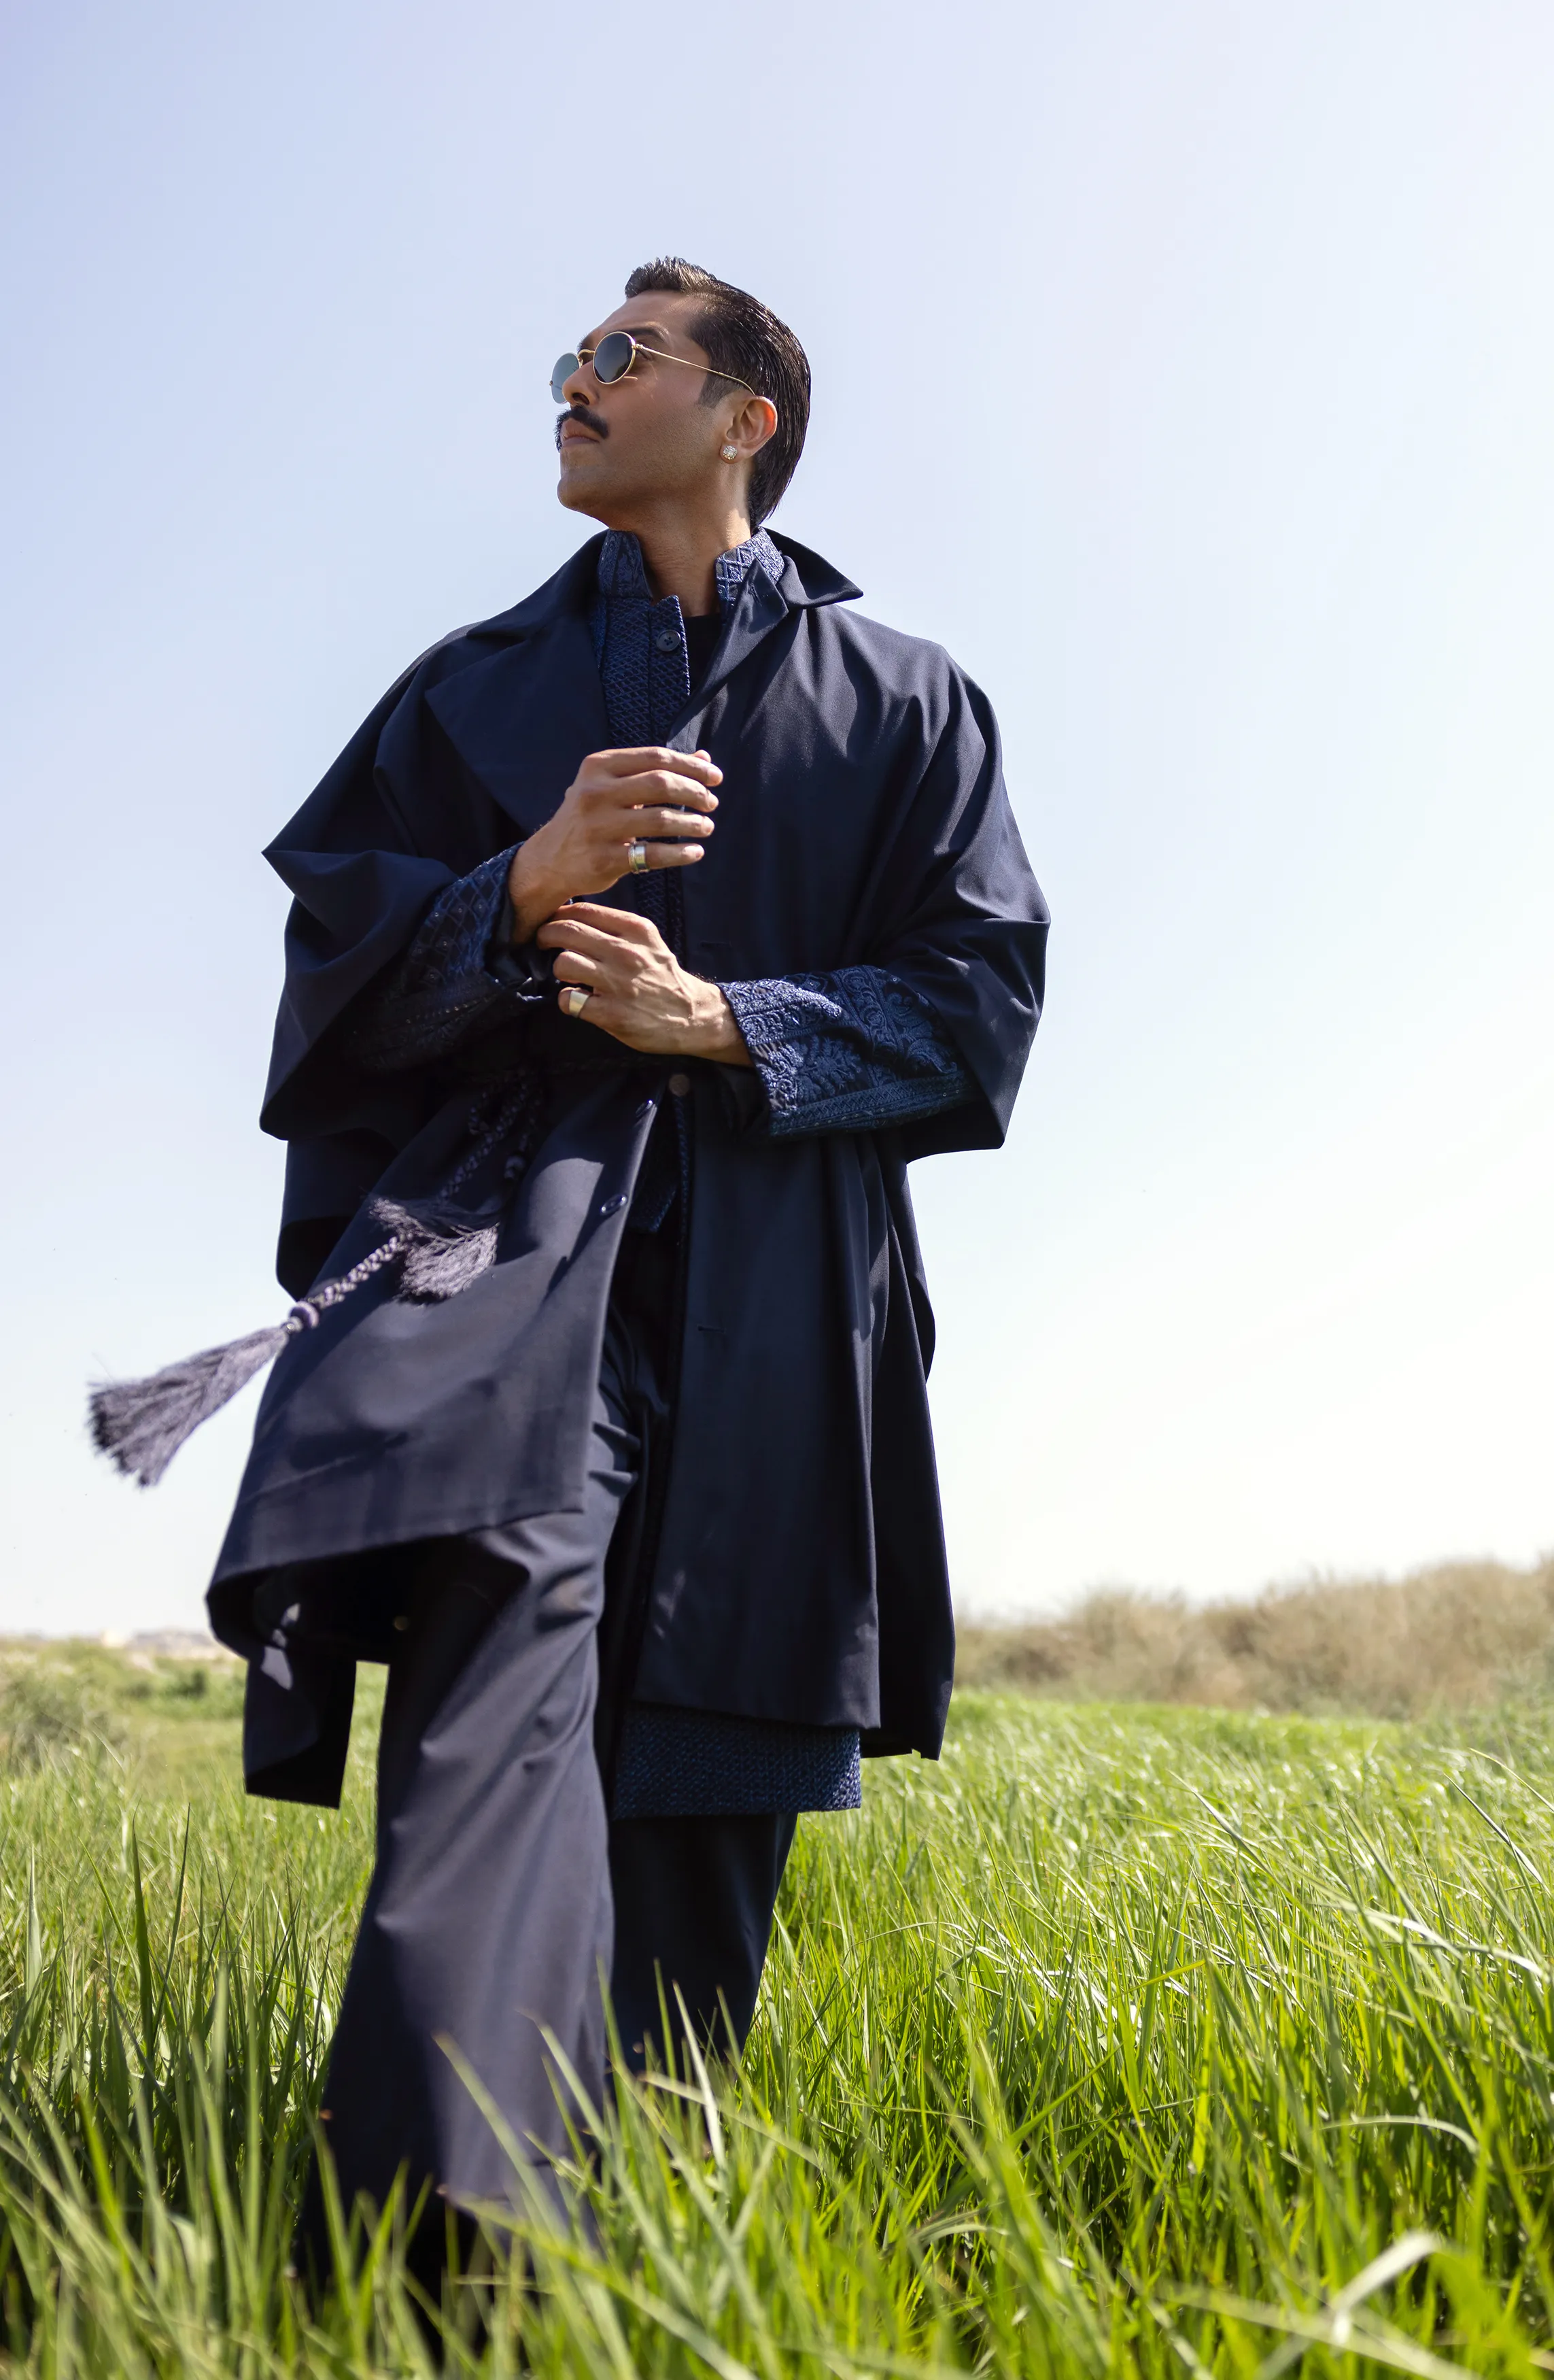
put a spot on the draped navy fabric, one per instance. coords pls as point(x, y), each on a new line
point(795, 1565)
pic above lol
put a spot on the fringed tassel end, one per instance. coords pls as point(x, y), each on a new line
point(140, 1425)
point(441, 1252)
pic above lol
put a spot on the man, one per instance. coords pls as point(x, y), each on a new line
point(642, 936)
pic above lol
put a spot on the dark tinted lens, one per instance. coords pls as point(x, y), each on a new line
point(564, 367)
point(611, 358)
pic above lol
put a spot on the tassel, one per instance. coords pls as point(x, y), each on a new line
point(141, 1424)
point(441, 1253)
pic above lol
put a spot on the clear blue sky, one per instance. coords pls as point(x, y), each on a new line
point(1188, 371)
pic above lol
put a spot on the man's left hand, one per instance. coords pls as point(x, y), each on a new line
point(638, 989)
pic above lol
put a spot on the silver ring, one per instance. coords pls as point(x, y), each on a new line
point(574, 998)
point(637, 857)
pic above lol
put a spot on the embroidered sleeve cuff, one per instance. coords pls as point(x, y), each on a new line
point(858, 1050)
point(461, 966)
point(453, 937)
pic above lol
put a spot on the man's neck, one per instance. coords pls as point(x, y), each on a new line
point(680, 552)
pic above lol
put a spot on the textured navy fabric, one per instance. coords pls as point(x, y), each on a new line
point(853, 1051)
point(445, 989)
point(459, 927)
point(639, 644)
point(678, 1763)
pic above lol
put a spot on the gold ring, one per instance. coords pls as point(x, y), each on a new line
point(637, 857)
point(574, 998)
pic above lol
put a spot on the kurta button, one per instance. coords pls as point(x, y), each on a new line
point(679, 1085)
point(613, 1206)
point(667, 642)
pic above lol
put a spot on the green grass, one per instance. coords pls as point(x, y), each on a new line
point(1124, 2040)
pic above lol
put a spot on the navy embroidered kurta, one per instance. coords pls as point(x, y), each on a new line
point(866, 881)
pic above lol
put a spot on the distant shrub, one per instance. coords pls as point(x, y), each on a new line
point(48, 1715)
point(203, 1690)
point(1461, 1636)
point(187, 1681)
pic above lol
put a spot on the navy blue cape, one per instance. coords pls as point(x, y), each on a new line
point(797, 1570)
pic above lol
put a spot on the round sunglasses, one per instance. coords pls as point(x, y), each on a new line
point(613, 358)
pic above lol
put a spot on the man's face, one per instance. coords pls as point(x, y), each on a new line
point(648, 437)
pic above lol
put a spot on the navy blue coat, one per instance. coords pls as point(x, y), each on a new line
point(799, 1570)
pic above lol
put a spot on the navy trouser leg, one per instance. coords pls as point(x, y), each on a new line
point(488, 1914)
point(693, 1898)
point(492, 1910)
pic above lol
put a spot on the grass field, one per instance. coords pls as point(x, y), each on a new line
point(1125, 2039)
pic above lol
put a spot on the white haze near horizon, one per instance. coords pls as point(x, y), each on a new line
point(1187, 371)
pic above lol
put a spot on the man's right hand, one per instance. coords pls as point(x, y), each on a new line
point(665, 798)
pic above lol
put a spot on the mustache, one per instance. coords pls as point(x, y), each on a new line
point(594, 421)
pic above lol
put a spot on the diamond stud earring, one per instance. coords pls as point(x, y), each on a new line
point(730, 454)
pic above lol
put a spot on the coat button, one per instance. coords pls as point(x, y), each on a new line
point(667, 642)
point(613, 1206)
point(679, 1085)
point(402, 1620)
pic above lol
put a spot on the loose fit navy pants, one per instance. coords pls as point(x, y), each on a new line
point(502, 1890)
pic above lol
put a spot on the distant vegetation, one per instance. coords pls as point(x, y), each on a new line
point(162, 1718)
point(1460, 1638)
point(1465, 1636)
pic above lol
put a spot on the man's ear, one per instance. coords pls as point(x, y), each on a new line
point(754, 424)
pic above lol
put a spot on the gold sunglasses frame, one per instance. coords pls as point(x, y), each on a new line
point(639, 347)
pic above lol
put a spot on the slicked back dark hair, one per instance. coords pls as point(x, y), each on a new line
point(743, 338)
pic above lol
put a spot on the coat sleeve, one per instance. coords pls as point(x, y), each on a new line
point(460, 973)
point(364, 878)
point(858, 1050)
point(928, 1035)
